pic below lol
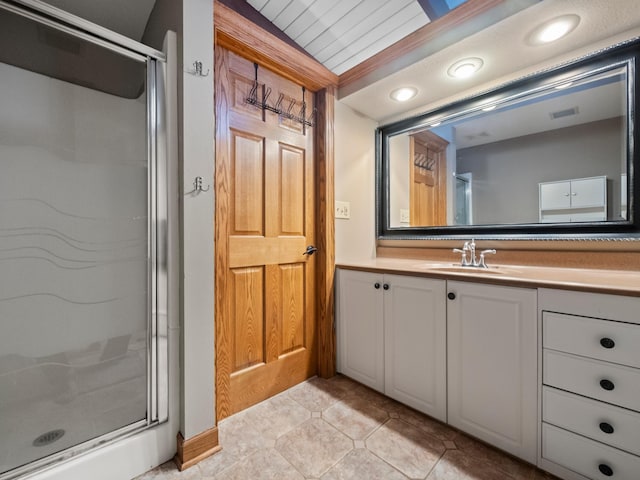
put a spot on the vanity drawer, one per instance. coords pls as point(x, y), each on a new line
point(587, 457)
point(592, 419)
point(592, 378)
point(606, 340)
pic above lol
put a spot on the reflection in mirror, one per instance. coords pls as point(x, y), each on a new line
point(556, 154)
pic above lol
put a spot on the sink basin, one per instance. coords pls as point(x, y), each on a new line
point(457, 268)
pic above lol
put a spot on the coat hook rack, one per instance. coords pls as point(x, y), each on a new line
point(197, 186)
point(289, 112)
point(197, 70)
point(421, 161)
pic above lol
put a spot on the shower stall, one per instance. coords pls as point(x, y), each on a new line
point(83, 206)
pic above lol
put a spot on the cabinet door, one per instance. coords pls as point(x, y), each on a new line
point(415, 343)
point(588, 192)
point(492, 364)
point(360, 327)
point(555, 195)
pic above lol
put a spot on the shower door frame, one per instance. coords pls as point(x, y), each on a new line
point(157, 221)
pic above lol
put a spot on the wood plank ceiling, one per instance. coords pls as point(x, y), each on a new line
point(340, 34)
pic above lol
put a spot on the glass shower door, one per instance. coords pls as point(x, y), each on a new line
point(76, 241)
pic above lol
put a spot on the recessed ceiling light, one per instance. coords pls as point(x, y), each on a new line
point(465, 68)
point(403, 94)
point(554, 29)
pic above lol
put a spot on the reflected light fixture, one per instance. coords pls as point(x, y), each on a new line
point(488, 108)
point(403, 94)
point(554, 29)
point(564, 85)
point(465, 68)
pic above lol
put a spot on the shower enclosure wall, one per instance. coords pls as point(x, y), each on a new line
point(83, 351)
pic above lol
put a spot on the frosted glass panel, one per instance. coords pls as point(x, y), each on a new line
point(73, 255)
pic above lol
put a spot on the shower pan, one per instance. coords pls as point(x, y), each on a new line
point(83, 355)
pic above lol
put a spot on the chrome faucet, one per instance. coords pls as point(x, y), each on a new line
point(468, 252)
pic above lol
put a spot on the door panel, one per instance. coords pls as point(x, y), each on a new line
point(265, 303)
point(247, 287)
point(292, 190)
point(292, 320)
point(247, 174)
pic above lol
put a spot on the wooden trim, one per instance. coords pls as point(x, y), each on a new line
point(236, 33)
point(325, 231)
point(398, 55)
point(197, 448)
point(221, 239)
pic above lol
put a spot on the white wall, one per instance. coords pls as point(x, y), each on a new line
point(355, 183)
point(193, 22)
point(197, 144)
point(399, 176)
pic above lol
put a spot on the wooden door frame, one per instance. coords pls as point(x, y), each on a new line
point(241, 36)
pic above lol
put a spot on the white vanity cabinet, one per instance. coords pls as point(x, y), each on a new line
point(576, 200)
point(391, 333)
point(415, 343)
point(492, 365)
point(360, 327)
point(590, 385)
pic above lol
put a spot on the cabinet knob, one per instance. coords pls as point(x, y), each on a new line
point(607, 384)
point(385, 286)
point(451, 296)
point(607, 342)
point(606, 427)
point(376, 286)
point(605, 469)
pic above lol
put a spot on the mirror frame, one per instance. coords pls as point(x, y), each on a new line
point(629, 229)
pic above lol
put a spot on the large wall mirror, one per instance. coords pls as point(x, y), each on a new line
point(551, 155)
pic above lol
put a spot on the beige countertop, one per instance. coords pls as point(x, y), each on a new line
point(619, 282)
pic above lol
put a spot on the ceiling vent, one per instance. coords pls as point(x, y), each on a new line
point(564, 113)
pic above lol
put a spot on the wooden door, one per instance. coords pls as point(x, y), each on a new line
point(428, 178)
point(265, 191)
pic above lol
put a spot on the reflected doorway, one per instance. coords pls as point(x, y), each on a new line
point(464, 210)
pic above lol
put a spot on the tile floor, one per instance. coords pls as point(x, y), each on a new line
point(337, 429)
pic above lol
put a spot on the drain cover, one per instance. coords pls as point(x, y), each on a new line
point(48, 438)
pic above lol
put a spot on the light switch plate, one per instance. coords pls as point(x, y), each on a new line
point(343, 209)
point(404, 215)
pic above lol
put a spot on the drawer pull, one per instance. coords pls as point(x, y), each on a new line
point(451, 296)
point(376, 285)
point(605, 469)
point(607, 342)
point(607, 384)
point(385, 286)
point(606, 427)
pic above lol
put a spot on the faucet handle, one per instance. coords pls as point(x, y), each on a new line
point(463, 261)
point(481, 262)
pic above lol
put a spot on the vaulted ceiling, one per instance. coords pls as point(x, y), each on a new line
point(342, 33)
point(379, 45)
point(371, 45)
